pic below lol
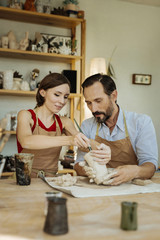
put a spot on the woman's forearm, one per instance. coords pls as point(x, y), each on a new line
point(42, 142)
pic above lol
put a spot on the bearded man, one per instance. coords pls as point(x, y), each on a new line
point(130, 136)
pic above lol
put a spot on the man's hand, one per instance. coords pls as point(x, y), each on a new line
point(122, 174)
point(90, 172)
point(102, 155)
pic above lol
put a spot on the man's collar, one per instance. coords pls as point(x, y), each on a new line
point(120, 122)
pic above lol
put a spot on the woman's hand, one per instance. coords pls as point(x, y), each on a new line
point(80, 140)
point(102, 155)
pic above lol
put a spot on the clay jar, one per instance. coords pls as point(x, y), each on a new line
point(4, 42)
point(12, 40)
point(23, 164)
point(129, 216)
point(71, 7)
point(57, 219)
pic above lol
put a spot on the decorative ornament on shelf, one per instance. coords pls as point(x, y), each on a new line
point(23, 44)
point(59, 11)
point(71, 5)
point(15, 4)
point(12, 41)
point(25, 86)
point(30, 5)
point(33, 82)
point(8, 79)
point(17, 80)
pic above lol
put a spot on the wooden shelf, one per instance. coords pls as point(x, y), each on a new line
point(29, 93)
point(38, 56)
point(52, 21)
point(10, 132)
point(39, 18)
point(7, 174)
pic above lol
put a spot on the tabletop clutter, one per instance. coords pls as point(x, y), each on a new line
point(55, 206)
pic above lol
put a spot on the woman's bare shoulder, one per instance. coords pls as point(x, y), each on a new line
point(24, 113)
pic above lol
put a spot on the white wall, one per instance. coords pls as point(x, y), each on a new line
point(134, 29)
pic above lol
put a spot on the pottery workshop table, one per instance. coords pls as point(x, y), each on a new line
point(22, 214)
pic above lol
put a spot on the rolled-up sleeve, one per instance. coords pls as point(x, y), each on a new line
point(146, 142)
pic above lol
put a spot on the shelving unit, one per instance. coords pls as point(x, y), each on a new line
point(10, 132)
point(62, 22)
point(48, 20)
point(72, 97)
point(38, 56)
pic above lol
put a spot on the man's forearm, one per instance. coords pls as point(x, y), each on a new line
point(146, 170)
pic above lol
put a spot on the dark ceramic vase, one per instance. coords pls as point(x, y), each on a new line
point(23, 164)
point(57, 218)
point(129, 215)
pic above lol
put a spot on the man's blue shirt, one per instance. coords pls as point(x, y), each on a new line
point(141, 132)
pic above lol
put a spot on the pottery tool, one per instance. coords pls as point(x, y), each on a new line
point(81, 131)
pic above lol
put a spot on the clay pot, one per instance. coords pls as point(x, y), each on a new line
point(71, 7)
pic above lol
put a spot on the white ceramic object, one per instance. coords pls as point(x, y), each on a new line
point(8, 126)
point(4, 42)
point(8, 79)
point(25, 86)
point(45, 48)
point(17, 83)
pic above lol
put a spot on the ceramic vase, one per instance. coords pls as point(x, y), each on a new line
point(8, 79)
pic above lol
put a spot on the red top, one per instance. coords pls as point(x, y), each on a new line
point(51, 128)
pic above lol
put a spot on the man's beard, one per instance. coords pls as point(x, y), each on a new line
point(106, 114)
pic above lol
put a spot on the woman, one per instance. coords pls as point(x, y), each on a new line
point(39, 131)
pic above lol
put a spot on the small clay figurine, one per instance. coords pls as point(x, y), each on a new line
point(17, 80)
point(4, 40)
point(34, 75)
point(24, 42)
point(29, 5)
point(15, 4)
point(13, 44)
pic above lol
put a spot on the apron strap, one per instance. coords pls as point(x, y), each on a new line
point(125, 126)
point(98, 125)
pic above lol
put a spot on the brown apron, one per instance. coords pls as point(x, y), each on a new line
point(122, 152)
point(45, 160)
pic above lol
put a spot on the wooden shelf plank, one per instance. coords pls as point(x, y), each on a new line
point(29, 93)
point(49, 57)
point(10, 132)
point(17, 93)
point(8, 174)
point(39, 18)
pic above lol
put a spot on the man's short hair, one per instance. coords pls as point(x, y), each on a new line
point(107, 82)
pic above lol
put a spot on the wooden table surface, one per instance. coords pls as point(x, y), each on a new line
point(22, 214)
